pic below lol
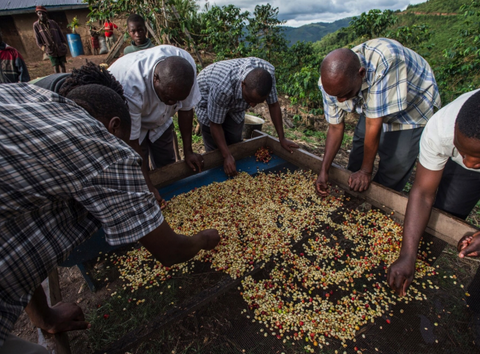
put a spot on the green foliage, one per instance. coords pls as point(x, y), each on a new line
point(160, 16)
point(410, 35)
point(298, 74)
point(74, 24)
point(224, 27)
point(265, 36)
point(373, 24)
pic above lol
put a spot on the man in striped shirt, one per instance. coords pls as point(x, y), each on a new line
point(228, 88)
point(395, 92)
point(63, 175)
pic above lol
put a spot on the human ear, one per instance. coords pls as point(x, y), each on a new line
point(362, 71)
point(114, 126)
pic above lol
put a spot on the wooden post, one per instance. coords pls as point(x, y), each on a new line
point(114, 51)
point(58, 343)
point(152, 33)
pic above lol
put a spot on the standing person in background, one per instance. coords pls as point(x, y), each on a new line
point(12, 66)
point(138, 32)
point(94, 40)
point(50, 39)
point(109, 36)
point(395, 92)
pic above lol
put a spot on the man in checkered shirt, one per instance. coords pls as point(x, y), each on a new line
point(395, 92)
point(63, 175)
point(228, 88)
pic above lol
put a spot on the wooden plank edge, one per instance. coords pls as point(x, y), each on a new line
point(171, 173)
point(442, 225)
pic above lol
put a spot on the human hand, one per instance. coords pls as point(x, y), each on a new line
point(194, 161)
point(229, 166)
point(161, 202)
point(210, 239)
point(288, 145)
point(360, 181)
point(63, 317)
point(321, 185)
point(400, 274)
point(469, 246)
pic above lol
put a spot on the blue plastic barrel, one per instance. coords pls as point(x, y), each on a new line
point(75, 44)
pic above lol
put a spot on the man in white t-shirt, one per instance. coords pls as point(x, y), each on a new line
point(157, 83)
point(450, 162)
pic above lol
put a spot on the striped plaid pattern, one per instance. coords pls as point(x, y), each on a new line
point(62, 176)
point(221, 89)
point(399, 86)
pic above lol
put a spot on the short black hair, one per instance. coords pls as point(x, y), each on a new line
point(135, 18)
point(101, 102)
point(176, 71)
point(468, 118)
point(259, 80)
point(88, 74)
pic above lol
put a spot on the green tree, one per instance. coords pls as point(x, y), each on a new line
point(265, 36)
point(224, 28)
point(373, 24)
point(410, 36)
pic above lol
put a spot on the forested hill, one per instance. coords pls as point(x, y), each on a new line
point(314, 31)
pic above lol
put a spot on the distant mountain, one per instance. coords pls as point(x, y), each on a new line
point(314, 31)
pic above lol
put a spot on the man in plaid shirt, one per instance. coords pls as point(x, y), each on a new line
point(228, 88)
point(65, 174)
point(395, 92)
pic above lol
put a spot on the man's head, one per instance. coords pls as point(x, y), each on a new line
point(257, 86)
point(137, 29)
point(41, 13)
point(173, 79)
point(88, 74)
point(105, 105)
point(342, 74)
point(467, 132)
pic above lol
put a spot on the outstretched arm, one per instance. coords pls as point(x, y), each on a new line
point(171, 248)
point(228, 160)
point(400, 273)
point(276, 115)
point(360, 180)
point(185, 123)
point(146, 172)
point(332, 145)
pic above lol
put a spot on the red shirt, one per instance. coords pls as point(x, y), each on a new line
point(109, 26)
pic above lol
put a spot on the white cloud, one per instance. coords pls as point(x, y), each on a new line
point(298, 13)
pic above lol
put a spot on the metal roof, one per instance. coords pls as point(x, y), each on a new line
point(14, 7)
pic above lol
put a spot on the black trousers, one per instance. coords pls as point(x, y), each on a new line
point(232, 131)
point(398, 152)
point(161, 151)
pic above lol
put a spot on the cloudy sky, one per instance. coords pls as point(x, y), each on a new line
point(301, 12)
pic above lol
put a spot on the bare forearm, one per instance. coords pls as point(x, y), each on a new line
point(417, 215)
point(185, 123)
point(276, 116)
point(219, 138)
point(372, 140)
point(172, 248)
point(332, 144)
point(135, 145)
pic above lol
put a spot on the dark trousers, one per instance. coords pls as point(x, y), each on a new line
point(457, 194)
point(459, 190)
point(161, 151)
point(398, 152)
point(232, 131)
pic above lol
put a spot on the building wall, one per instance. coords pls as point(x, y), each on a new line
point(18, 30)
